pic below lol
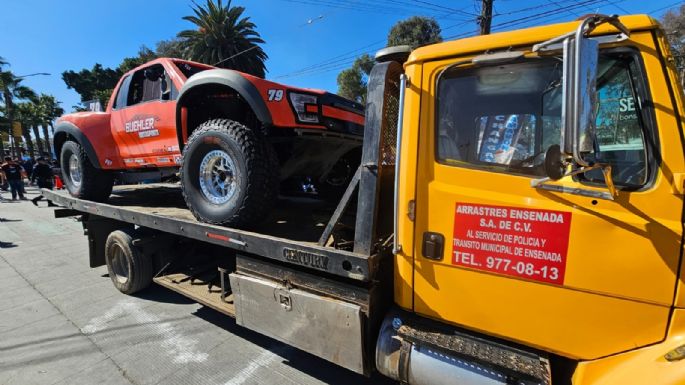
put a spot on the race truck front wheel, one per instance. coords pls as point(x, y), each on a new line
point(80, 177)
point(229, 174)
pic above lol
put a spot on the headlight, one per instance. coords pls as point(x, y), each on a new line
point(306, 106)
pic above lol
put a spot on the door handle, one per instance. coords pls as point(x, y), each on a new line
point(433, 245)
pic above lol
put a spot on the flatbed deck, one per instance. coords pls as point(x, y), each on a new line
point(289, 235)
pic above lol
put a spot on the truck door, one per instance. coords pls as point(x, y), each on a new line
point(564, 271)
point(143, 120)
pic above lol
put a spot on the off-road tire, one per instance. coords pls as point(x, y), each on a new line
point(96, 185)
point(138, 265)
point(257, 186)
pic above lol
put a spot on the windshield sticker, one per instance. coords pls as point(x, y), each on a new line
point(513, 241)
point(144, 125)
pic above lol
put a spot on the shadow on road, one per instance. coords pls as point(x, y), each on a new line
point(7, 245)
point(157, 293)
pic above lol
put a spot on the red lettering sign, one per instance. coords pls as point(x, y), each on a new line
point(514, 241)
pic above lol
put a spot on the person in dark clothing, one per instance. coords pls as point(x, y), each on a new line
point(42, 173)
point(12, 171)
point(27, 164)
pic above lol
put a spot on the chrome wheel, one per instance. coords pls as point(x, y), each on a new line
point(75, 170)
point(218, 177)
point(119, 264)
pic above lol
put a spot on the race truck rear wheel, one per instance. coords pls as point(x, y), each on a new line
point(229, 174)
point(80, 177)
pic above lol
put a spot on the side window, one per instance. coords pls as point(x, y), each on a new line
point(620, 131)
point(122, 93)
point(503, 118)
point(499, 117)
point(147, 85)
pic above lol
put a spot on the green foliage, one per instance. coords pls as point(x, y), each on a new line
point(87, 81)
point(145, 54)
point(103, 96)
point(674, 24)
point(11, 89)
point(416, 31)
point(221, 33)
point(352, 81)
point(225, 37)
point(170, 48)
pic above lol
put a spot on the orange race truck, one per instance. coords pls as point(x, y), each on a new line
point(517, 218)
point(234, 136)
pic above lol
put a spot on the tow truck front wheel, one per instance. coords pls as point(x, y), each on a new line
point(229, 174)
point(81, 178)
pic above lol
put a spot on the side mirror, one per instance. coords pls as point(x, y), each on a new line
point(578, 109)
point(579, 96)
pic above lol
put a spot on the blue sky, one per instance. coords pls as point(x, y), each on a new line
point(308, 41)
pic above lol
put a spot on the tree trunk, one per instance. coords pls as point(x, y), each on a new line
point(46, 137)
point(39, 143)
point(9, 113)
point(27, 139)
point(2, 147)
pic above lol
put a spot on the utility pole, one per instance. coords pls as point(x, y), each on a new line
point(485, 18)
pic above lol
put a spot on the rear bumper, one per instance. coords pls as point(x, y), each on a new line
point(417, 351)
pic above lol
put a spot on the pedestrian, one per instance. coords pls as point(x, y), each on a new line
point(3, 180)
point(42, 173)
point(26, 162)
point(12, 171)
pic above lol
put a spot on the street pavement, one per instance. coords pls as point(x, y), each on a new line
point(62, 322)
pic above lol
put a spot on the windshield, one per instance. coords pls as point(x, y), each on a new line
point(505, 117)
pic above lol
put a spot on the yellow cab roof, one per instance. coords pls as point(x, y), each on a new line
point(520, 37)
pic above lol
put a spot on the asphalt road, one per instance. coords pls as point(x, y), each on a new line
point(62, 322)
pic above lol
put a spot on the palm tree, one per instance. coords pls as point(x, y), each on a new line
point(50, 110)
point(26, 114)
point(11, 88)
point(4, 122)
point(224, 38)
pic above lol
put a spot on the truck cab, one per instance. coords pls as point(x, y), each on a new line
point(584, 267)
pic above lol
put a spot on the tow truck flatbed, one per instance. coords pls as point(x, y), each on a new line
point(288, 236)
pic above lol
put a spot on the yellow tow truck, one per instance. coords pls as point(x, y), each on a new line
point(517, 218)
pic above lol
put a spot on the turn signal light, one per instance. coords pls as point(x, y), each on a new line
point(676, 354)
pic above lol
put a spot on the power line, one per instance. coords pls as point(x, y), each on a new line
point(536, 16)
point(563, 6)
point(666, 7)
point(348, 57)
point(343, 61)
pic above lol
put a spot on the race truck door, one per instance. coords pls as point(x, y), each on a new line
point(573, 274)
point(143, 119)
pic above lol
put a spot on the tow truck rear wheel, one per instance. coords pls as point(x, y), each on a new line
point(229, 174)
point(129, 269)
point(81, 178)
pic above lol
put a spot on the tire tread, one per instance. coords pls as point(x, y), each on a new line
point(262, 173)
